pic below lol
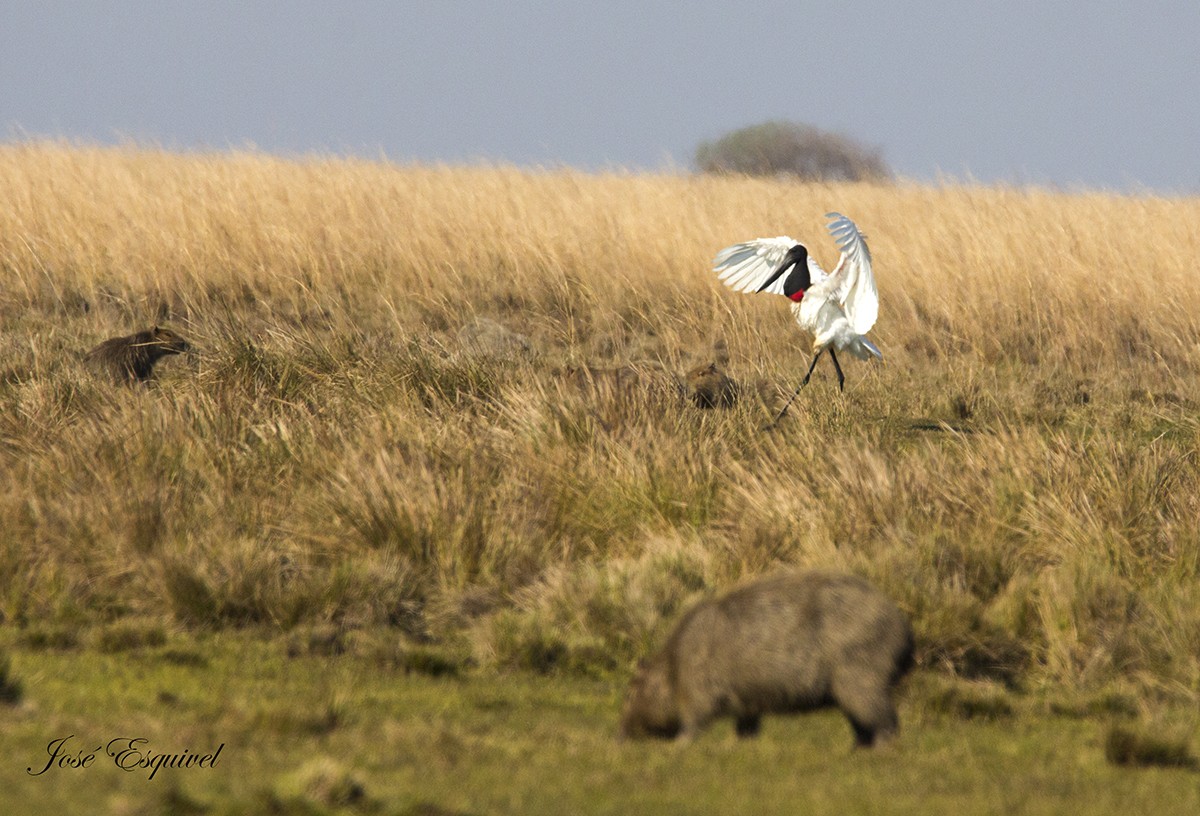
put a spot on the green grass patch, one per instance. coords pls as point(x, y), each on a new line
point(331, 734)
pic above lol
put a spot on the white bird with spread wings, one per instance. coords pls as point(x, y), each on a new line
point(838, 308)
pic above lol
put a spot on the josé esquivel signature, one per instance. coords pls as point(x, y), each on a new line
point(127, 753)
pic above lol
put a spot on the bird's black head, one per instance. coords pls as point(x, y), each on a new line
point(798, 280)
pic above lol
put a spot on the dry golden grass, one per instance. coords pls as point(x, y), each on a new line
point(1021, 472)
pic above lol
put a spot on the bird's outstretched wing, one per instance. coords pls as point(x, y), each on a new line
point(760, 265)
point(852, 279)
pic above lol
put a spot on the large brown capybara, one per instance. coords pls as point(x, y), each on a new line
point(786, 643)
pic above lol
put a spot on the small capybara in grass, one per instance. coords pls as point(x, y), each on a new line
point(787, 643)
point(131, 358)
point(710, 387)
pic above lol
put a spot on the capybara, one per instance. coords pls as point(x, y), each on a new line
point(131, 358)
point(710, 387)
point(785, 643)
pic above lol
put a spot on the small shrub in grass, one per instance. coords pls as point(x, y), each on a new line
point(587, 620)
point(972, 701)
point(982, 655)
point(56, 639)
point(318, 785)
point(246, 584)
point(10, 687)
point(953, 636)
point(981, 570)
point(323, 640)
point(128, 636)
point(431, 662)
point(376, 588)
point(192, 601)
point(1126, 746)
point(252, 590)
point(1109, 704)
point(183, 657)
point(457, 609)
point(445, 658)
point(590, 658)
point(520, 643)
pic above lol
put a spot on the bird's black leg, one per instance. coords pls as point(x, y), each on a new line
point(841, 377)
point(803, 383)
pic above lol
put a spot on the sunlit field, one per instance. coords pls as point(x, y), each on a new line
point(432, 481)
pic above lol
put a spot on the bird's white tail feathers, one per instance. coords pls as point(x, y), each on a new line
point(862, 348)
point(838, 334)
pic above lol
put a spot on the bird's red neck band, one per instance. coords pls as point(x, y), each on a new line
point(797, 296)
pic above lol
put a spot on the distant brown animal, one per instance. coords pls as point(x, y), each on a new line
point(788, 643)
point(710, 387)
point(132, 358)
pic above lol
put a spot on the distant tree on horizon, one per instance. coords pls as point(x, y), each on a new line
point(779, 148)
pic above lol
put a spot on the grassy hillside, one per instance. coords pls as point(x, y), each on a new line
point(440, 408)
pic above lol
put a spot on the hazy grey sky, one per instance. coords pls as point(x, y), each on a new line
point(1077, 93)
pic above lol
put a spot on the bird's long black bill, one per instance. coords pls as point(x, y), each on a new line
point(797, 262)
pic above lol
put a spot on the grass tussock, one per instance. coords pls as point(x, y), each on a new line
point(1140, 747)
point(321, 785)
point(411, 387)
point(125, 636)
point(11, 689)
point(971, 700)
